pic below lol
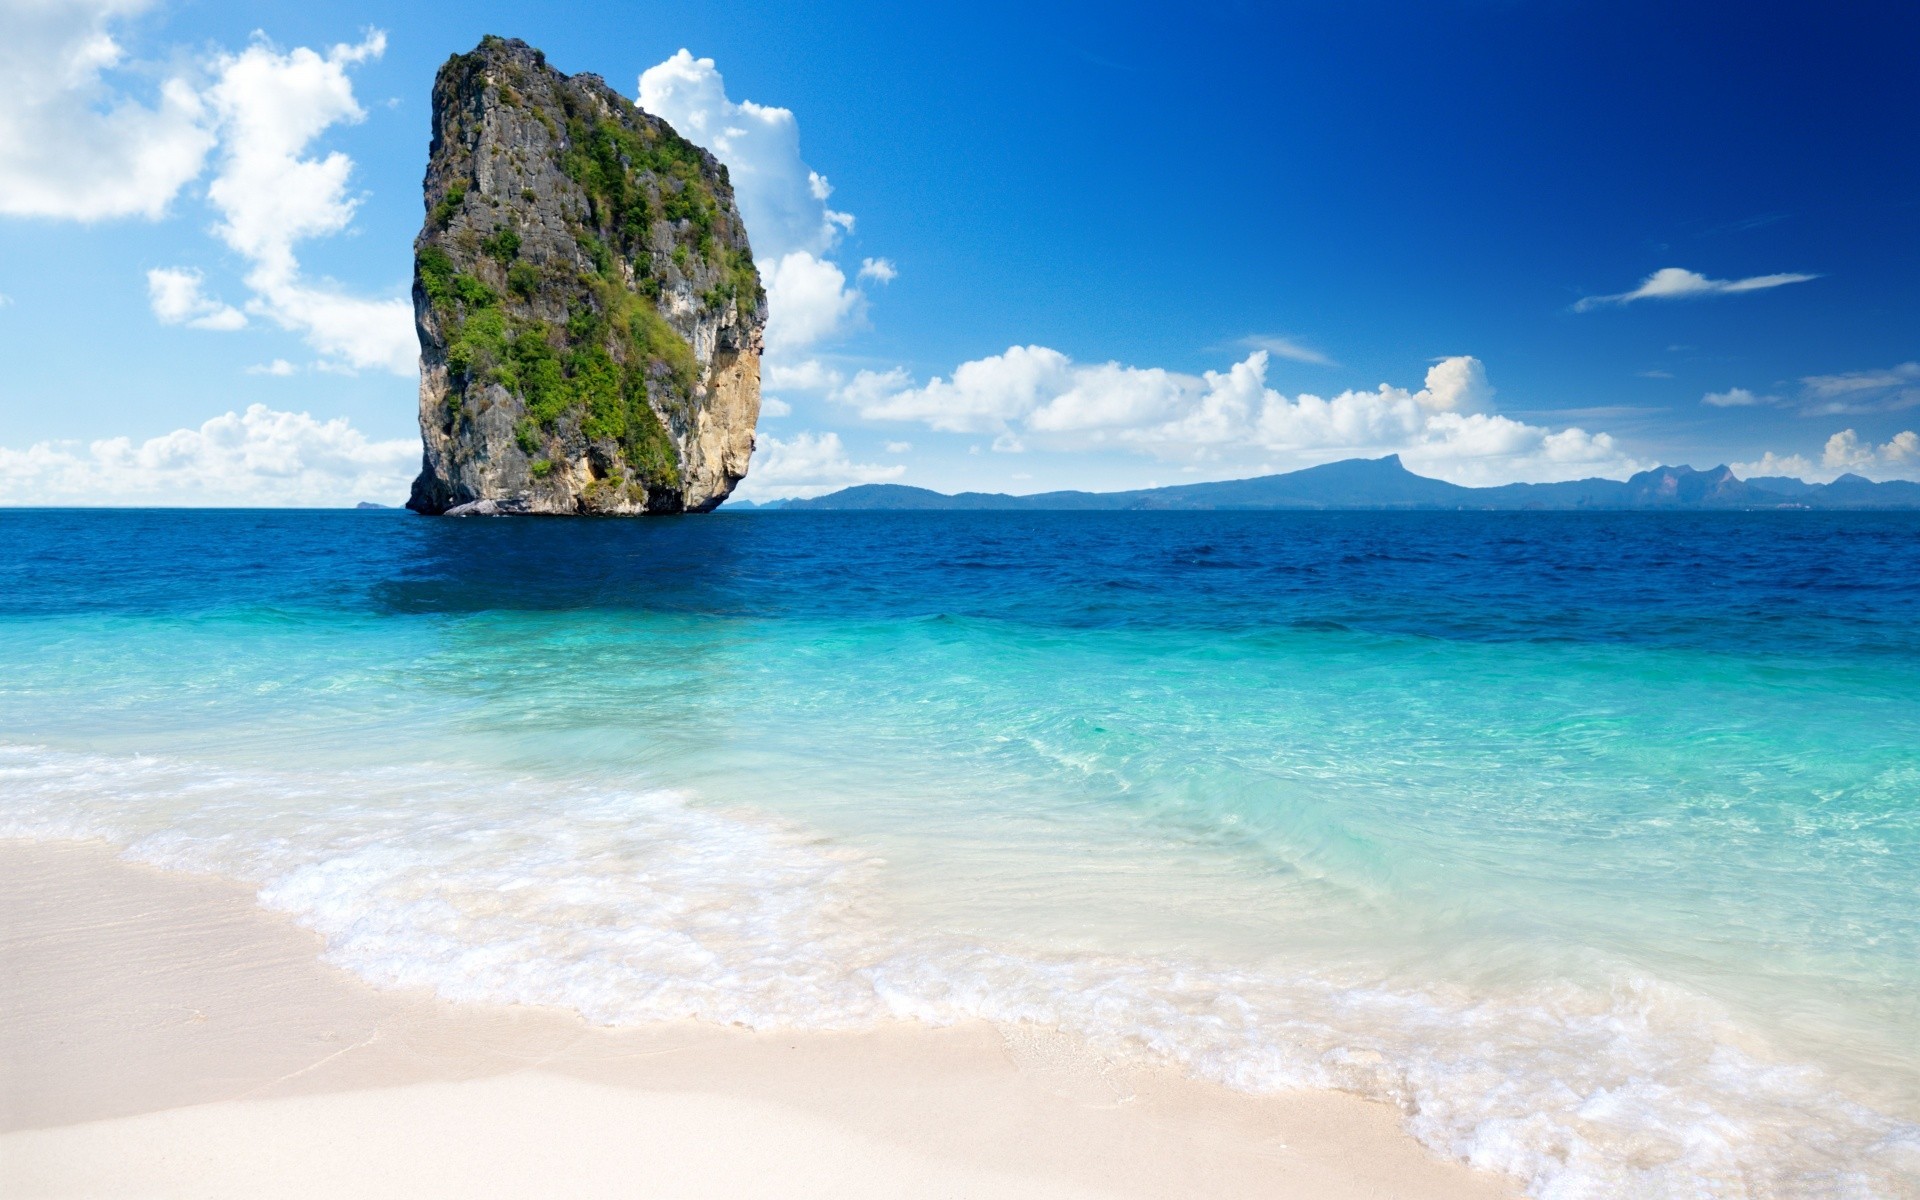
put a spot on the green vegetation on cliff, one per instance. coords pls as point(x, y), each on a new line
point(597, 368)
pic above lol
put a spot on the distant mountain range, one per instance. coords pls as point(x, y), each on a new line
point(1383, 483)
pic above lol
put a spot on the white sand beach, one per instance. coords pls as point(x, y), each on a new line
point(163, 1036)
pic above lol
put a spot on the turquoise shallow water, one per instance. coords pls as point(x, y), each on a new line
point(1592, 842)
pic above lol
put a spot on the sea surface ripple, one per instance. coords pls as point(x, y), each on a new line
point(1591, 841)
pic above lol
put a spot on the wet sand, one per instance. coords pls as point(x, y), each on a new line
point(161, 1035)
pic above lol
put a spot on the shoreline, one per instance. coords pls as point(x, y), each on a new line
point(164, 1035)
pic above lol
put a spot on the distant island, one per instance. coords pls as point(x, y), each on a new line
point(1385, 483)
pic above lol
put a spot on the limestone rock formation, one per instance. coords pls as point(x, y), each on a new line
point(589, 313)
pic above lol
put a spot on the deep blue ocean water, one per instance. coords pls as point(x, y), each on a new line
point(1592, 841)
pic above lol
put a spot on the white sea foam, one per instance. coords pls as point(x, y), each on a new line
point(632, 906)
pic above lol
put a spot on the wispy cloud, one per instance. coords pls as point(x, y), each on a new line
point(1886, 390)
point(1891, 389)
point(1736, 398)
point(1286, 347)
point(1858, 381)
point(1592, 412)
point(1678, 283)
point(1747, 224)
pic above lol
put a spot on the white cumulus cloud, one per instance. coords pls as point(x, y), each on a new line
point(1846, 452)
point(1896, 458)
point(808, 301)
point(880, 270)
point(176, 298)
point(807, 464)
point(1768, 465)
point(1678, 283)
point(782, 200)
point(984, 395)
point(271, 195)
point(70, 145)
point(1037, 396)
point(261, 457)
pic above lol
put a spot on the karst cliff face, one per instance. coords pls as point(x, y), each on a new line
point(589, 313)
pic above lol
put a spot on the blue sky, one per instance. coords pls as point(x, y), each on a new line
point(1128, 244)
